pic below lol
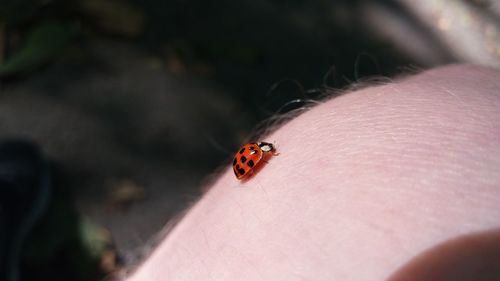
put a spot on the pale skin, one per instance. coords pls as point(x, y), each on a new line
point(363, 186)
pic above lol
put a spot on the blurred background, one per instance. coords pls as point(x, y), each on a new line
point(119, 111)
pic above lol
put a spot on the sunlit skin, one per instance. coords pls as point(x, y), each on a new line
point(364, 183)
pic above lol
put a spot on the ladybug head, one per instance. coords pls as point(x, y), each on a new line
point(266, 147)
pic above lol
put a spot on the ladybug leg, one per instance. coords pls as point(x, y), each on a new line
point(265, 160)
point(273, 153)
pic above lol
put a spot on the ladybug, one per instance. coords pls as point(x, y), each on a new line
point(249, 157)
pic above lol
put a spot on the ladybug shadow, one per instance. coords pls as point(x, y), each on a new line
point(260, 165)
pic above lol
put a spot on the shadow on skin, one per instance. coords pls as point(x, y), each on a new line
point(469, 257)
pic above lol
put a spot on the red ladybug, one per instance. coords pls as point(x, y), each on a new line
point(249, 157)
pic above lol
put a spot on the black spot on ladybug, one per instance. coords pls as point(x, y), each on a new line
point(252, 148)
point(234, 161)
point(240, 170)
point(241, 151)
point(243, 159)
point(250, 163)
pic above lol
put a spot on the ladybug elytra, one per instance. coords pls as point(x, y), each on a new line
point(249, 157)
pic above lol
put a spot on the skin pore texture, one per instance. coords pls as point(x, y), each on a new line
point(395, 182)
